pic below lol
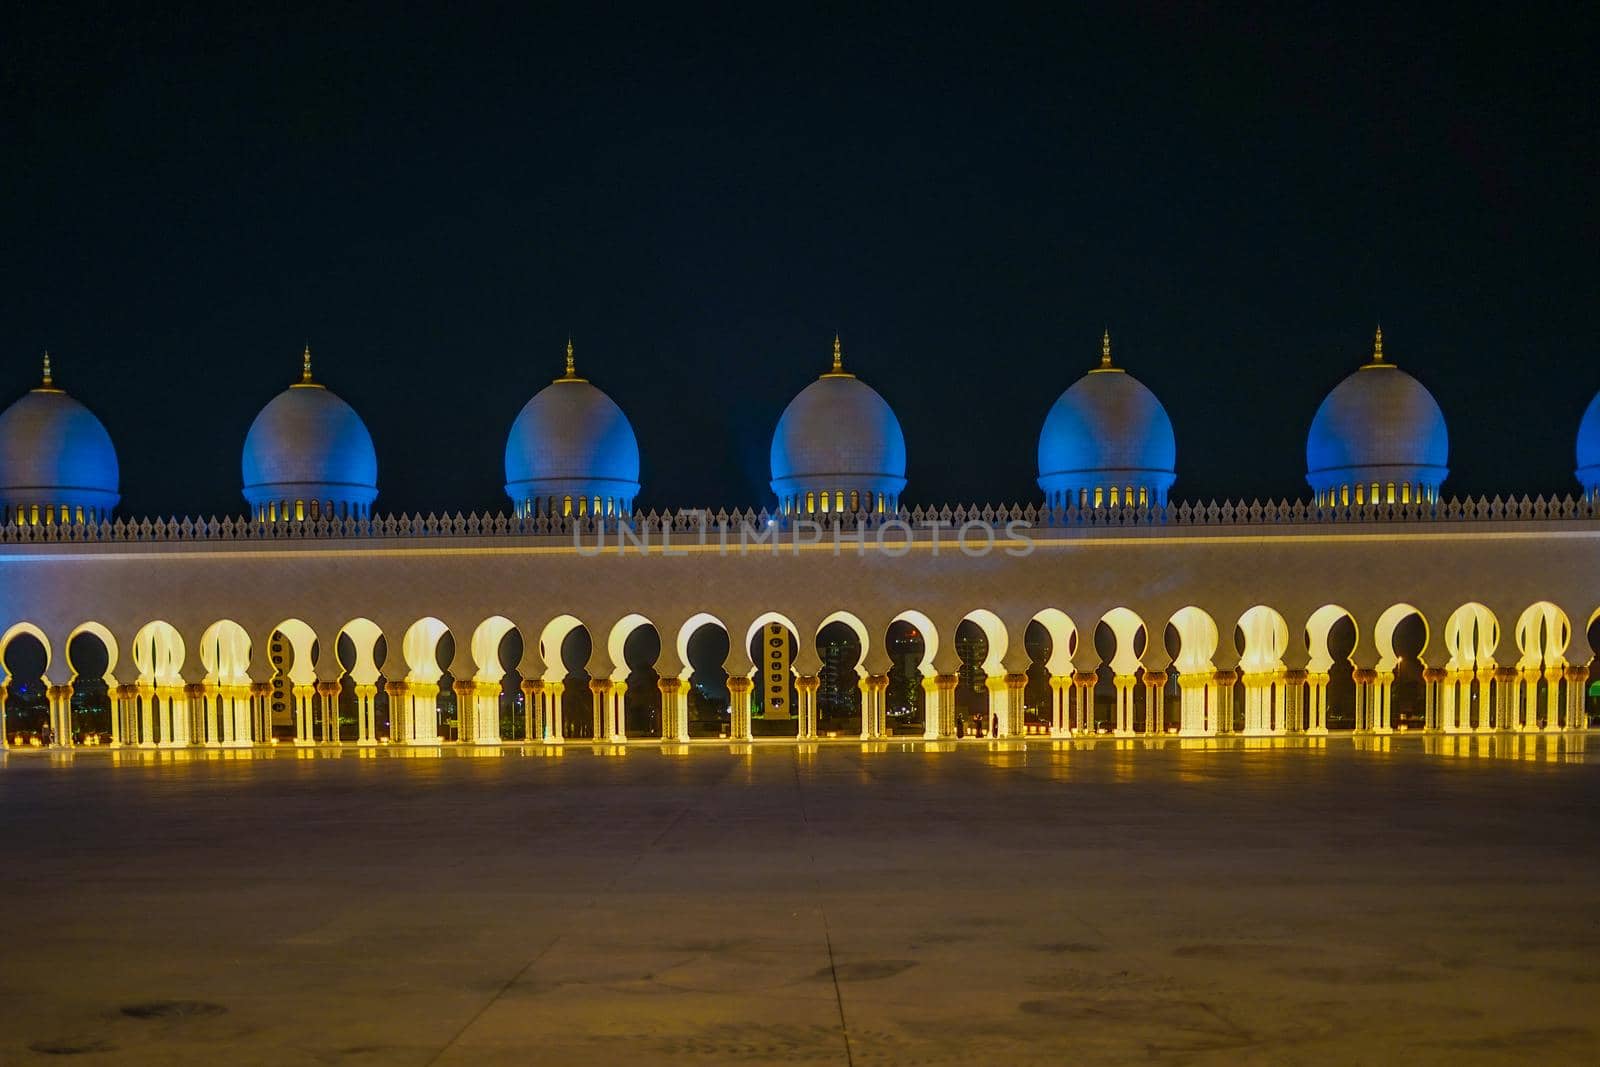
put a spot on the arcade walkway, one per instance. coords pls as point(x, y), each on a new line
point(1018, 905)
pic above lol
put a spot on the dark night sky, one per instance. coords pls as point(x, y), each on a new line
point(702, 201)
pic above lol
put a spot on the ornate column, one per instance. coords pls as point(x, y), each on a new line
point(144, 698)
point(675, 709)
point(1015, 722)
point(1125, 684)
point(1155, 703)
point(1382, 694)
point(1577, 712)
point(739, 690)
point(194, 702)
point(1505, 698)
point(806, 686)
point(532, 710)
point(1433, 679)
point(599, 706)
point(1317, 703)
point(466, 710)
point(328, 698)
point(874, 716)
point(399, 712)
point(1060, 705)
point(114, 693)
point(60, 701)
point(261, 712)
point(1261, 712)
point(5, 738)
point(1083, 683)
point(1223, 706)
point(555, 722)
point(617, 714)
point(486, 713)
point(176, 706)
point(219, 708)
point(1192, 704)
point(1552, 682)
point(203, 727)
point(423, 728)
point(302, 695)
point(1366, 681)
point(366, 715)
point(1294, 701)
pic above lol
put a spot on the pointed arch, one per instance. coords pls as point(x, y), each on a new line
point(485, 647)
point(32, 631)
point(1383, 634)
point(994, 632)
point(1197, 640)
point(1471, 635)
point(225, 653)
point(930, 638)
point(1063, 639)
point(855, 624)
point(1266, 639)
point(420, 649)
point(551, 637)
point(101, 632)
point(1543, 634)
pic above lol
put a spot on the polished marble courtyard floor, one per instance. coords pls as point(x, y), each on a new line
point(837, 904)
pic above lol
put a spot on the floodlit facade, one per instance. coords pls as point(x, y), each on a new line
point(1105, 609)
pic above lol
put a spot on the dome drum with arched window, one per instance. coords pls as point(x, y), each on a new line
point(1107, 442)
point(1379, 437)
point(838, 447)
point(572, 451)
point(57, 463)
point(308, 455)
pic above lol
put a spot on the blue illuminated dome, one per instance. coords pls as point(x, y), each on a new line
point(308, 455)
point(838, 447)
point(572, 451)
point(1107, 441)
point(57, 463)
point(1589, 448)
point(1379, 437)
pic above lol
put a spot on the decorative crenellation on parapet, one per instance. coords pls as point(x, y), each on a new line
point(689, 523)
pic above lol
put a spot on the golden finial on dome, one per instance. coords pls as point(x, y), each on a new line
point(572, 366)
point(1105, 348)
point(1377, 346)
point(838, 356)
point(49, 381)
point(305, 365)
